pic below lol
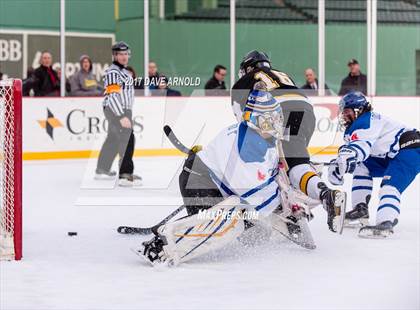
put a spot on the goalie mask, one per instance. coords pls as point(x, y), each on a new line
point(263, 114)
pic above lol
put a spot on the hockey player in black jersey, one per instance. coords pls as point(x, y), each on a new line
point(256, 72)
point(255, 67)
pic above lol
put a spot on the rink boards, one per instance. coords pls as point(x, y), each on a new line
point(58, 128)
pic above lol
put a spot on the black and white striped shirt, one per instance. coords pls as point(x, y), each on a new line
point(119, 90)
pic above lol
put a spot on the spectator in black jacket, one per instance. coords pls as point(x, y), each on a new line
point(28, 84)
point(153, 77)
point(47, 82)
point(356, 80)
point(216, 85)
point(311, 87)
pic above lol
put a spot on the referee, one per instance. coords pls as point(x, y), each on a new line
point(118, 104)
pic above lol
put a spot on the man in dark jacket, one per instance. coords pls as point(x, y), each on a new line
point(356, 80)
point(47, 82)
point(311, 87)
point(153, 80)
point(29, 83)
point(216, 85)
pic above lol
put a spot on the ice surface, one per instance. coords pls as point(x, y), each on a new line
point(97, 270)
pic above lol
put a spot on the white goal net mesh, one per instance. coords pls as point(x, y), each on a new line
point(7, 194)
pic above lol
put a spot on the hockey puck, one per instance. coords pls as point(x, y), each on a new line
point(72, 233)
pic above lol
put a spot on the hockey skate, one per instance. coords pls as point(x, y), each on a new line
point(334, 202)
point(294, 227)
point(357, 217)
point(101, 174)
point(152, 251)
point(379, 231)
point(299, 233)
point(129, 180)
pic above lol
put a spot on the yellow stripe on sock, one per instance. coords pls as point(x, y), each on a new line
point(304, 180)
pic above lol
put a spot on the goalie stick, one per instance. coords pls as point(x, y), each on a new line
point(127, 230)
point(130, 230)
point(174, 140)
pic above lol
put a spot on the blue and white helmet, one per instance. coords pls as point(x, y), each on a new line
point(263, 113)
point(355, 101)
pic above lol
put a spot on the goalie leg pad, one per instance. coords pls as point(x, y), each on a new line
point(198, 234)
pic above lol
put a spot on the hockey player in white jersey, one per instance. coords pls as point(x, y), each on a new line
point(235, 173)
point(376, 146)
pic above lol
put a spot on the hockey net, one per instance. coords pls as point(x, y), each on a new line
point(10, 169)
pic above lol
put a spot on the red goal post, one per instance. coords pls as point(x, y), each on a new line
point(10, 169)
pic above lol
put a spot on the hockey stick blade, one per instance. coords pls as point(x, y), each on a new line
point(174, 140)
point(131, 230)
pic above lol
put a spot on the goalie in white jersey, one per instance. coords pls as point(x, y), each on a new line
point(376, 146)
point(237, 171)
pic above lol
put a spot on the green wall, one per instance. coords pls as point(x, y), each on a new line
point(81, 15)
point(396, 66)
point(179, 48)
point(193, 48)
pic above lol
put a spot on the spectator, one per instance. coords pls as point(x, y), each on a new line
point(1, 76)
point(134, 75)
point(356, 80)
point(83, 82)
point(68, 87)
point(311, 87)
point(216, 85)
point(153, 76)
point(46, 82)
point(29, 83)
point(163, 89)
point(138, 88)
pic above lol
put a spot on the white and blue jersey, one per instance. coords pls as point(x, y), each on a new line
point(242, 163)
point(376, 139)
point(374, 135)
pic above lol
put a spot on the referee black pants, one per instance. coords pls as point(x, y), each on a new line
point(119, 140)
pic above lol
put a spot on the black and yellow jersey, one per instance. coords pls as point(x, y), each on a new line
point(297, 110)
point(273, 79)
